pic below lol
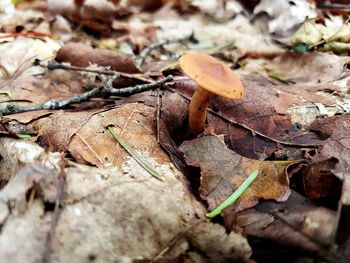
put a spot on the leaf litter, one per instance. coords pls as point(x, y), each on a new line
point(75, 195)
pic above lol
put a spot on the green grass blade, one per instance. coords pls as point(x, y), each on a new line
point(135, 155)
point(236, 194)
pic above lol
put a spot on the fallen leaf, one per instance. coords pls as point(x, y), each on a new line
point(135, 124)
point(253, 127)
point(55, 131)
point(223, 171)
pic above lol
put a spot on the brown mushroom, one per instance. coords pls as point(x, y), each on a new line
point(212, 77)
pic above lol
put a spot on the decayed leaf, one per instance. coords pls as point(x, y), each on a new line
point(223, 171)
point(81, 55)
point(295, 223)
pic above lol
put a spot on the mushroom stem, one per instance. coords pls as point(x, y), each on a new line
point(198, 110)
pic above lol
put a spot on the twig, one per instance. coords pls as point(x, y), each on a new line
point(135, 155)
point(55, 215)
point(236, 194)
point(158, 112)
point(54, 65)
point(50, 105)
point(26, 34)
point(108, 89)
point(136, 89)
point(144, 53)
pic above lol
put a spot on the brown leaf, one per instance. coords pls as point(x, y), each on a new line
point(254, 129)
point(81, 55)
point(223, 171)
point(320, 178)
point(135, 124)
point(295, 223)
point(55, 131)
point(301, 68)
point(320, 182)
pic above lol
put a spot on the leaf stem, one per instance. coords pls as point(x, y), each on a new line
point(236, 194)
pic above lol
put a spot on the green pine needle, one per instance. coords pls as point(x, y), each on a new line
point(236, 194)
point(135, 155)
point(24, 136)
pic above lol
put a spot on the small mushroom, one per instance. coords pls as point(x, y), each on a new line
point(212, 77)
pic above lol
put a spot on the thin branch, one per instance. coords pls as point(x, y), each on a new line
point(144, 53)
point(137, 88)
point(55, 215)
point(12, 108)
point(54, 65)
point(108, 89)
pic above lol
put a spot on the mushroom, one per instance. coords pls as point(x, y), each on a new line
point(212, 77)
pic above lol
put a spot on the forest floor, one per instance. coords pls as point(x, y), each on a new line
point(98, 162)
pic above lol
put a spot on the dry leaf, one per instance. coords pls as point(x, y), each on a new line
point(295, 223)
point(223, 171)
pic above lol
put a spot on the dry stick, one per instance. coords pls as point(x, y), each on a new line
point(158, 112)
point(50, 105)
point(246, 127)
point(107, 89)
point(144, 53)
point(138, 88)
point(26, 34)
point(55, 215)
point(55, 65)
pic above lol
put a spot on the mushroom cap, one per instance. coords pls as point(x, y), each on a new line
point(212, 75)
